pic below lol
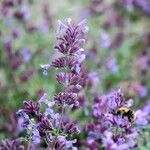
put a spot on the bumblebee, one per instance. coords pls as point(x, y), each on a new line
point(126, 112)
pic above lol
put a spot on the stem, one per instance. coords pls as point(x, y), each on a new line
point(29, 144)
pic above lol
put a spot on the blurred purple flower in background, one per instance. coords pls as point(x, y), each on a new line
point(111, 64)
point(26, 54)
point(105, 40)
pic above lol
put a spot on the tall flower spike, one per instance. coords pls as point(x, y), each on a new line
point(49, 124)
point(70, 42)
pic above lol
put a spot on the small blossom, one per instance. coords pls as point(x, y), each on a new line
point(77, 68)
point(25, 52)
point(105, 40)
point(31, 108)
point(10, 145)
point(45, 100)
point(68, 144)
point(36, 136)
point(66, 98)
point(24, 118)
point(70, 127)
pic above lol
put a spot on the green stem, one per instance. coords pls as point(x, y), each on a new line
point(29, 144)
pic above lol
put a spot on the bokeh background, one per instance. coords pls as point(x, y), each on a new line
point(117, 51)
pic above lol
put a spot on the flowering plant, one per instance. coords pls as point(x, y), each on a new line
point(46, 122)
point(53, 126)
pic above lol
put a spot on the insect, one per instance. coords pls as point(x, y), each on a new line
point(126, 112)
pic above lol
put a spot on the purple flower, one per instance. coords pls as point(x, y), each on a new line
point(11, 145)
point(108, 129)
point(50, 123)
point(45, 67)
point(111, 65)
point(70, 127)
point(66, 99)
point(44, 126)
point(24, 118)
point(68, 78)
point(44, 99)
point(31, 108)
point(141, 90)
point(8, 145)
point(63, 62)
point(67, 143)
point(26, 54)
point(141, 117)
point(143, 5)
point(34, 133)
point(70, 42)
point(105, 41)
point(36, 136)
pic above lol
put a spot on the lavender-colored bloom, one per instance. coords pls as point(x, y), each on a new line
point(143, 5)
point(70, 127)
point(26, 54)
point(43, 126)
point(59, 145)
point(70, 45)
point(36, 138)
point(147, 107)
point(141, 117)
point(63, 62)
point(45, 67)
point(111, 65)
point(71, 42)
point(108, 141)
point(23, 14)
point(44, 99)
point(117, 99)
point(8, 144)
point(108, 129)
point(141, 90)
point(49, 112)
point(77, 68)
point(26, 12)
point(45, 72)
point(24, 118)
point(43, 28)
point(66, 99)
point(68, 144)
point(50, 124)
point(31, 108)
point(105, 40)
point(68, 78)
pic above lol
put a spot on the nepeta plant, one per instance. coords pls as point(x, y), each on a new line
point(109, 130)
point(47, 124)
point(53, 126)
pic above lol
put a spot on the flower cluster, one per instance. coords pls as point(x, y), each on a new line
point(11, 145)
point(46, 125)
point(53, 126)
point(143, 6)
point(108, 129)
point(70, 61)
